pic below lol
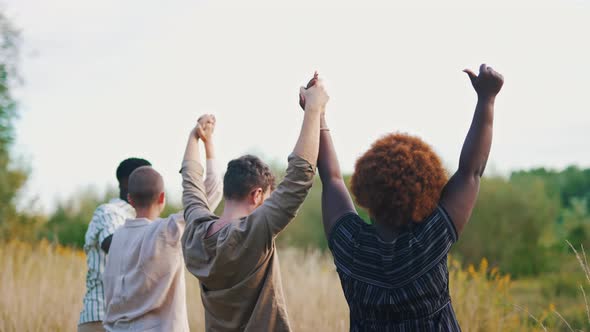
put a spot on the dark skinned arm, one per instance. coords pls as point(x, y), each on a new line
point(460, 193)
point(336, 200)
point(106, 243)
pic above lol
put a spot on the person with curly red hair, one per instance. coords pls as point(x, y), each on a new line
point(394, 270)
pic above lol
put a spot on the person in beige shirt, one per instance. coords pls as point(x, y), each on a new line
point(234, 256)
point(144, 275)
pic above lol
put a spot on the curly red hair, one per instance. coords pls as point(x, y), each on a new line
point(398, 180)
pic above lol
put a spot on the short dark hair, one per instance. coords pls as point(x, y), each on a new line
point(145, 186)
point(244, 174)
point(127, 166)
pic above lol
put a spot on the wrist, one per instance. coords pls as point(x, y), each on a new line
point(193, 134)
point(209, 150)
point(315, 110)
point(486, 98)
point(323, 123)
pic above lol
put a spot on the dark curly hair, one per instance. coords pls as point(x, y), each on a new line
point(398, 180)
point(244, 174)
point(127, 166)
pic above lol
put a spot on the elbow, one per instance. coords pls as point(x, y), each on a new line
point(187, 205)
point(186, 200)
point(472, 172)
point(335, 175)
point(331, 178)
point(333, 182)
point(330, 175)
point(479, 172)
point(472, 169)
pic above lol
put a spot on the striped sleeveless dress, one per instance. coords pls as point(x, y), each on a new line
point(399, 285)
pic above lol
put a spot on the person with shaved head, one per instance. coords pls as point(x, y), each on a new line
point(144, 274)
point(145, 187)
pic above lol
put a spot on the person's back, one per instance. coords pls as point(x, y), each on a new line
point(105, 220)
point(144, 277)
point(394, 271)
point(234, 256)
point(144, 274)
point(398, 285)
point(238, 266)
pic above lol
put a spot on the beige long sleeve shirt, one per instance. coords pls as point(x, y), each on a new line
point(238, 267)
point(213, 184)
point(144, 281)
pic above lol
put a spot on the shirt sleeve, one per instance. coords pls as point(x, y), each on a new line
point(430, 242)
point(194, 197)
point(174, 227)
point(281, 207)
point(437, 228)
point(213, 184)
point(108, 222)
point(341, 240)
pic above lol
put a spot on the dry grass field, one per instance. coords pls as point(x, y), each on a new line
point(41, 287)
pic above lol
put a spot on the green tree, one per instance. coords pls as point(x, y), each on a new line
point(68, 224)
point(575, 224)
point(11, 177)
point(508, 224)
point(566, 185)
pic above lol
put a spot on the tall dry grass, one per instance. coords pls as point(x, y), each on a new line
point(41, 289)
point(482, 300)
point(583, 261)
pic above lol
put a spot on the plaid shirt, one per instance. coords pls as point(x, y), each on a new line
point(106, 219)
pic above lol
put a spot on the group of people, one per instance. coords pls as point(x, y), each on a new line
point(393, 268)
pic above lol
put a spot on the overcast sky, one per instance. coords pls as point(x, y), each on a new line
point(109, 79)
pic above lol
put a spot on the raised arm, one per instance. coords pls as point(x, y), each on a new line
point(308, 143)
point(213, 180)
point(213, 184)
point(194, 198)
point(336, 200)
point(460, 193)
point(282, 205)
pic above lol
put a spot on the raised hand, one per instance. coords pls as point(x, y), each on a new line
point(205, 127)
point(314, 97)
point(309, 85)
point(488, 83)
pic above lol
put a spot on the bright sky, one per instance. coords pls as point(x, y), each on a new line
point(109, 79)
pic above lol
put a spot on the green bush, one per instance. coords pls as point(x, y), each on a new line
point(507, 225)
point(68, 224)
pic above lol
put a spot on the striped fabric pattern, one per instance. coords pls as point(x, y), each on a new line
point(106, 219)
point(400, 285)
